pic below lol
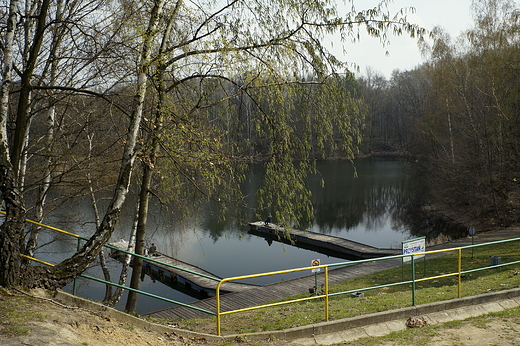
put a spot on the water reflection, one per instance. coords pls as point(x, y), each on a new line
point(347, 201)
point(367, 208)
point(360, 201)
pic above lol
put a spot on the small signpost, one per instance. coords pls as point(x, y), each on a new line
point(315, 263)
point(411, 247)
point(472, 231)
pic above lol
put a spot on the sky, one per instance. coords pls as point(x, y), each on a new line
point(452, 15)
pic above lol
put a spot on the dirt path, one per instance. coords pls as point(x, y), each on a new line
point(25, 320)
point(494, 331)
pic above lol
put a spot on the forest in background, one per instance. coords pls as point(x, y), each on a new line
point(458, 116)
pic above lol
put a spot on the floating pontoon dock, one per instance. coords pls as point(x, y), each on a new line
point(183, 276)
point(327, 244)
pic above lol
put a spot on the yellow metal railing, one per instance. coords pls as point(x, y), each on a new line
point(37, 260)
point(48, 227)
point(325, 295)
point(458, 273)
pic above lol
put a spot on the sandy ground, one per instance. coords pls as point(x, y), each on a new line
point(51, 323)
point(483, 331)
point(493, 332)
point(54, 324)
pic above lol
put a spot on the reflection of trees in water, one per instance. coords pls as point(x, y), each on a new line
point(382, 204)
point(370, 207)
point(421, 222)
point(369, 200)
point(410, 213)
point(218, 219)
point(385, 191)
point(217, 223)
point(344, 203)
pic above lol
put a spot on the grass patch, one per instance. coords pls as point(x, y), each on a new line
point(494, 278)
point(14, 313)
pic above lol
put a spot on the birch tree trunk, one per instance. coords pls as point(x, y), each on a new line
point(116, 297)
point(50, 133)
point(11, 230)
point(66, 271)
point(148, 171)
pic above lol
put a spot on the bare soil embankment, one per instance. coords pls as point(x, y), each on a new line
point(37, 320)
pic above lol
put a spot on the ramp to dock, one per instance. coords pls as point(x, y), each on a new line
point(323, 243)
point(263, 294)
point(339, 247)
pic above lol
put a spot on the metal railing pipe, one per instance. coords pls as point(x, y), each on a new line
point(218, 296)
point(126, 288)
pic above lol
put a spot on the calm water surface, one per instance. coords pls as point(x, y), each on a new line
point(363, 208)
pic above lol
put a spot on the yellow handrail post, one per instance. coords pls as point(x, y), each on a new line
point(460, 273)
point(327, 293)
point(217, 300)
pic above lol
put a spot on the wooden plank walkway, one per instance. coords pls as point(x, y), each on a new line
point(186, 277)
point(330, 245)
point(263, 294)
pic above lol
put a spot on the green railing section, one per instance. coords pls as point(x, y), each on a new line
point(125, 287)
point(414, 274)
point(413, 270)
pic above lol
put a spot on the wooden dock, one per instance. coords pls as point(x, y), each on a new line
point(326, 244)
point(330, 245)
point(187, 278)
point(263, 294)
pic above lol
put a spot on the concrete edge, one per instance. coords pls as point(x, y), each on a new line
point(508, 299)
point(356, 327)
point(381, 329)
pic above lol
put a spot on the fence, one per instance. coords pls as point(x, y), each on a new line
point(325, 295)
point(80, 238)
point(458, 273)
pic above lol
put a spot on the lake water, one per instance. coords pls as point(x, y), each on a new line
point(365, 208)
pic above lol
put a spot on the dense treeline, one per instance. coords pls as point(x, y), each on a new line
point(166, 99)
point(459, 116)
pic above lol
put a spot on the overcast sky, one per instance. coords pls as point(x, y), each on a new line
point(453, 15)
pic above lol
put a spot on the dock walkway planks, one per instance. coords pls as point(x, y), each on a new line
point(338, 247)
point(263, 294)
point(181, 274)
